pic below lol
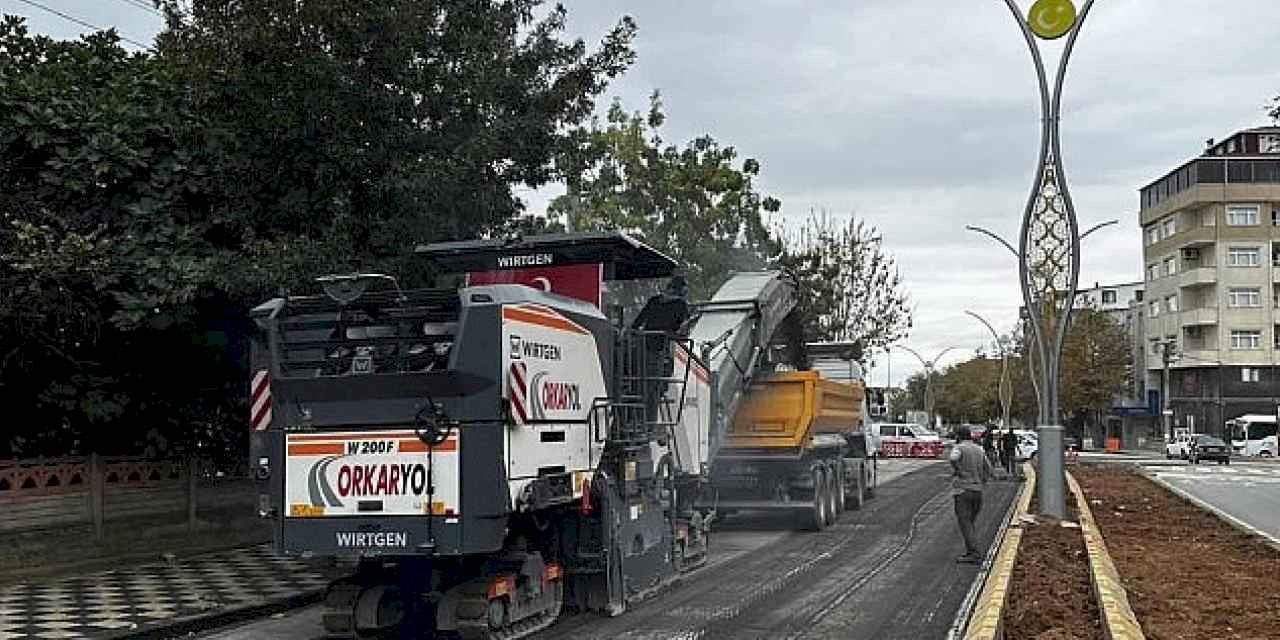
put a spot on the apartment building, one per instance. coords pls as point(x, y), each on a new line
point(1211, 251)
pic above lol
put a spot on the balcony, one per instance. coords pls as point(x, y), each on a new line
point(1198, 277)
point(1203, 316)
point(1196, 238)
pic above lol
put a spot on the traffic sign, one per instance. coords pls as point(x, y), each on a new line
point(1051, 19)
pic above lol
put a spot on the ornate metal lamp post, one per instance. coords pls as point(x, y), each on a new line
point(928, 376)
point(1005, 391)
point(1049, 244)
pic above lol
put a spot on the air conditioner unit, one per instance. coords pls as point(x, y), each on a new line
point(1190, 254)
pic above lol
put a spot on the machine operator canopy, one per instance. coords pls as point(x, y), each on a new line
point(620, 256)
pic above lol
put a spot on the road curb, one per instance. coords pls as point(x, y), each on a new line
point(1264, 537)
point(1118, 619)
point(986, 621)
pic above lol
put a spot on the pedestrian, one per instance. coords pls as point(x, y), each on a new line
point(989, 444)
point(1010, 450)
point(970, 471)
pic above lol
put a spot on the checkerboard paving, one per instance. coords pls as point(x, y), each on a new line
point(117, 603)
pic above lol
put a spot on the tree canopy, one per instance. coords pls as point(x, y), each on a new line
point(848, 287)
point(697, 203)
point(148, 199)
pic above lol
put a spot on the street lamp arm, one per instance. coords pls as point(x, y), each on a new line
point(990, 328)
point(924, 363)
point(1098, 226)
point(993, 236)
point(941, 353)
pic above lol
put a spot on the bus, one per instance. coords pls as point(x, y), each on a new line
point(1253, 435)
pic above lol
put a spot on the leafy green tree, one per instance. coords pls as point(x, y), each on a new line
point(147, 200)
point(693, 202)
point(848, 287)
point(351, 131)
point(1096, 365)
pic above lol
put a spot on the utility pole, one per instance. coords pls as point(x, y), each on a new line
point(1168, 353)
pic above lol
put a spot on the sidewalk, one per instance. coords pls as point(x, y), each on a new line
point(149, 597)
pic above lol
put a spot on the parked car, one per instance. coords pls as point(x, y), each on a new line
point(1180, 445)
point(1203, 447)
point(1028, 444)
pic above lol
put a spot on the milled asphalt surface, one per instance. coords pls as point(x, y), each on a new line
point(887, 571)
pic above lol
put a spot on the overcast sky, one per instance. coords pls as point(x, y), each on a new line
point(921, 116)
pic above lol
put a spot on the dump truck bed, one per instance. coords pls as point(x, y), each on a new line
point(786, 410)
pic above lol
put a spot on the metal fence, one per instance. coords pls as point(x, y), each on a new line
point(102, 491)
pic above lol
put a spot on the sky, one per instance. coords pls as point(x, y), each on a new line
point(920, 117)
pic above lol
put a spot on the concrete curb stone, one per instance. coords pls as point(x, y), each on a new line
point(1119, 621)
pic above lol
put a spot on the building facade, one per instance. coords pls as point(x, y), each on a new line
point(1211, 256)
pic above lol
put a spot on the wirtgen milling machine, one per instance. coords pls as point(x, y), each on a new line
point(481, 457)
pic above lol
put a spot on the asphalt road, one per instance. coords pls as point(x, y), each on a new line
point(1247, 490)
point(884, 572)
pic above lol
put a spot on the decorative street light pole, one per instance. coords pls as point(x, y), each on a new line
point(1006, 388)
point(928, 377)
point(1049, 243)
point(1032, 365)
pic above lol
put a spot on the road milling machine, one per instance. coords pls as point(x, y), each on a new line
point(477, 458)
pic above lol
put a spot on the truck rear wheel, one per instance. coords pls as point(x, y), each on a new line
point(838, 485)
point(833, 487)
point(816, 516)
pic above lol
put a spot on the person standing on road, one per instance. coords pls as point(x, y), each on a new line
point(1010, 450)
point(970, 471)
point(989, 444)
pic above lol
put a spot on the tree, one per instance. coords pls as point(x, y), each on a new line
point(911, 398)
point(349, 132)
point(692, 202)
point(969, 391)
point(1096, 364)
point(848, 288)
point(102, 241)
point(147, 200)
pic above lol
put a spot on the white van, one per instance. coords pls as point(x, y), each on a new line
point(908, 440)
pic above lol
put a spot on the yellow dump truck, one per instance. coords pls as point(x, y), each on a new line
point(797, 443)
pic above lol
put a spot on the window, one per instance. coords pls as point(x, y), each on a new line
point(1153, 234)
point(1153, 272)
point(1244, 297)
point(1109, 296)
point(1171, 304)
point(1170, 266)
point(1153, 309)
point(1269, 143)
point(1170, 228)
point(1246, 339)
point(1137, 295)
point(1243, 257)
point(1275, 217)
point(1249, 374)
point(1242, 215)
point(1231, 145)
point(888, 430)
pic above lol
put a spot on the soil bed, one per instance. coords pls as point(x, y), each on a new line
point(1189, 575)
point(1050, 593)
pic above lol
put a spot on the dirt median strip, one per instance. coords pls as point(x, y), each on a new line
point(1119, 621)
point(1188, 574)
point(987, 616)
